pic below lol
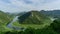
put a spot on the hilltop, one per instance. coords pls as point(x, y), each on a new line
point(33, 17)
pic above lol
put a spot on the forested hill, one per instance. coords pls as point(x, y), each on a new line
point(33, 17)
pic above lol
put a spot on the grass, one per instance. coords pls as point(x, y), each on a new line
point(4, 19)
point(37, 26)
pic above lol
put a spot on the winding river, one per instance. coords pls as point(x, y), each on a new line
point(10, 24)
point(19, 28)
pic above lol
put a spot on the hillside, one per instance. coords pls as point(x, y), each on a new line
point(29, 23)
point(4, 18)
point(33, 17)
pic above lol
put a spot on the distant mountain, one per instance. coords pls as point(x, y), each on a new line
point(53, 13)
point(33, 17)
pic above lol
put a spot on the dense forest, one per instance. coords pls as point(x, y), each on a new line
point(52, 29)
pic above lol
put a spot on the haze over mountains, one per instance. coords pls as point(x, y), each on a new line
point(52, 13)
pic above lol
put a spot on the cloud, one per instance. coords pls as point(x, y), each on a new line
point(26, 5)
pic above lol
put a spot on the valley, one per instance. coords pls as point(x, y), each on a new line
point(29, 20)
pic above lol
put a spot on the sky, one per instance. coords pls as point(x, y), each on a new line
point(27, 5)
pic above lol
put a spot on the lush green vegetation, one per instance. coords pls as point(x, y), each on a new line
point(33, 31)
point(52, 29)
point(38, 26)
point(31, 23)
point(4, 20)
point(56, 25)
point(34, 17)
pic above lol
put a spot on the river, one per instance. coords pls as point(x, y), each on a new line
point(11, 23)
point(19, 28)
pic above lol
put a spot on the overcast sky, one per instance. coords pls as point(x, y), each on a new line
point(26, 5)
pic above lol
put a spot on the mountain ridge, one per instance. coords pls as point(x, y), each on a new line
point(32, 17)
